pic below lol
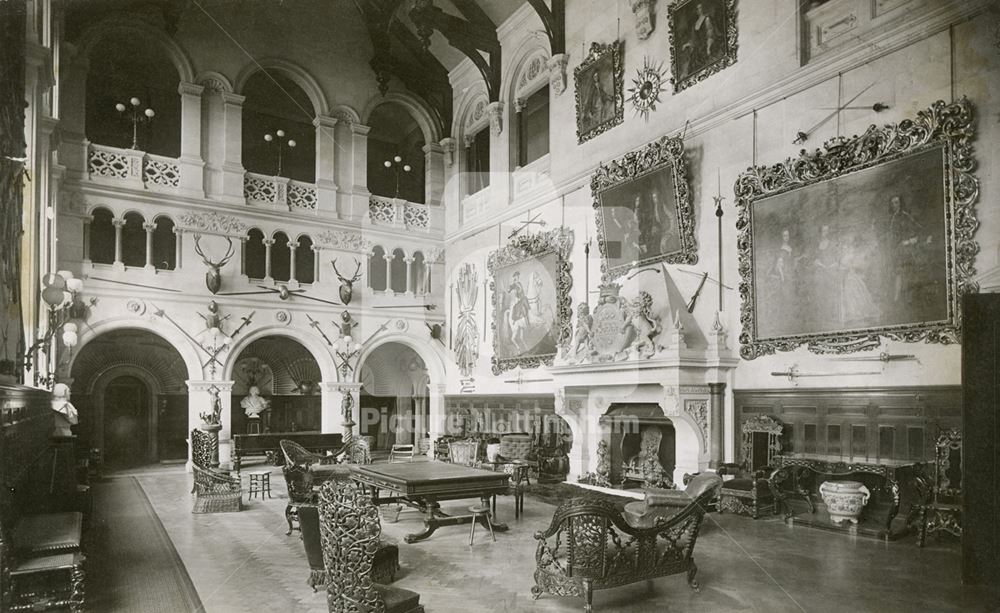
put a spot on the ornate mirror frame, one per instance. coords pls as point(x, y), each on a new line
point(943, 127)
point(523, 248)
point(665, 154)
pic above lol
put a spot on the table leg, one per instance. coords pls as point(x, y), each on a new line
point(434, 518)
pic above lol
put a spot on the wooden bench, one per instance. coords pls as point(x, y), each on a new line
point(268, 445)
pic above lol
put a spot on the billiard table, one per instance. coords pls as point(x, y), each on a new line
point(423, 485)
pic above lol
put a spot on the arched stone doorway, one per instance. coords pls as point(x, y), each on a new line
point(394, 397)
point(287, 375)
point(129, 388)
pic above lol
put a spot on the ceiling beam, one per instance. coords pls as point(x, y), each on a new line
point(472, 38)
point(554, 21)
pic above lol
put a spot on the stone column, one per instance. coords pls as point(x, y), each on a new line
point(330, 400)
point(118, 224)
point(434, 178)
point(177, 247)
point(316, 262)
point(292, 246)
point(192, 166)
point(519, 105)
point(717, 439)
point(149, 227)
point(359, 175)
point(436, 414)
point(232, 166)
point(268, 243)
point(326, 164)
point(388, 272)
point(409, 276)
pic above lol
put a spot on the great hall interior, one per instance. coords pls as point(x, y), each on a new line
point(499, 305)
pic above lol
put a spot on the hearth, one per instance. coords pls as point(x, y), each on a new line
point(642, 444)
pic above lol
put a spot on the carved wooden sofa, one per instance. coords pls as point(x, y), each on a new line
point(215, 491)
point(590, 545)
point(350, 529)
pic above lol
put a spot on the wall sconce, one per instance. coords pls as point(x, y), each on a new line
point(136, 117)
point(269, 138)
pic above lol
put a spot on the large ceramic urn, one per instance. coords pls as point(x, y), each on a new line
point(844, 500)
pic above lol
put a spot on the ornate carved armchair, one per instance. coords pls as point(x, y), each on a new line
point(591, 546)
point(942, 506)
point(214, 491)
point(750, 492)
point(350, 530)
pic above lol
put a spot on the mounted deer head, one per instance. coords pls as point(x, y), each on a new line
point(213, 278)
point(347, 285)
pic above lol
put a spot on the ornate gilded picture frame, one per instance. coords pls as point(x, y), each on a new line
point(644, 210)
point(530, 282)
point(703, 39)
point(600, 93)
point(870, 237)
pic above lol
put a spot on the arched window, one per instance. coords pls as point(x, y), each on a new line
point(274, 102)
point(280, 258)
point(122, 68)
point(305, 260)
point(134, 240)
point(397, 272)
point(394, 133)
point(102, 237)
point(532, 119)
point(376, 269)
point(254, 255)
point(164, 244)
point(418, 273)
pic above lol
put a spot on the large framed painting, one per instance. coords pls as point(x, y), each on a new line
point(644, 211)
point(703, 39)
point(870, 237)
point(530, 280)
point(600, 94)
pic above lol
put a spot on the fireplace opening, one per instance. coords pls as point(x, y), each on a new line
point(642, 445)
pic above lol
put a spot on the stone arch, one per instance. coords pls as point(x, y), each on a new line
point(175, 338)
point(433, 360)
point(177, 55)
point(473, 102)
point(311, 342)
point(521, 60)
point(296, 73)
point(214, 81)
point(346, 114)
point(417, 109)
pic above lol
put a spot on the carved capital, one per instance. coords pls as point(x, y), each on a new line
point(448, 146)
point(495, 110)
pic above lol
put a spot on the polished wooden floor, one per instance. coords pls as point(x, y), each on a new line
point(244, 562)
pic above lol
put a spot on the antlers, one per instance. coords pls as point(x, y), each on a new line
point(357, 271)
point(208, 262)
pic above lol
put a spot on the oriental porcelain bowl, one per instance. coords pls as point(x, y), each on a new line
point(844, 500)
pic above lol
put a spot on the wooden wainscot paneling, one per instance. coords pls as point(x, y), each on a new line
point(898, 423)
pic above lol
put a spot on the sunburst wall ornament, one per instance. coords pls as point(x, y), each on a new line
point(646, 87)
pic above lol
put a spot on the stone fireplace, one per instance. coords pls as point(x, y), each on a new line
point(641, 443)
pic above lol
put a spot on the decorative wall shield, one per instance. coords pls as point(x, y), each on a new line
point(703, 39)
point(644, 211)
point(600, 97)
point(618, 329)
point(873, 236)
point(530, 281)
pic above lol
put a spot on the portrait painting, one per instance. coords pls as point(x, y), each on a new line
point(600, 98)
point(531, 313)
point(643, 207)
point(866, 251)
point(703, 39)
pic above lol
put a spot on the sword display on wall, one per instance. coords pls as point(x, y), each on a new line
point(640, 271)
point(315, 324)
point(284, 293)
point(526, 223)
point(793, 373)
point(162, 289)
point(882, 357)
point(429, 307)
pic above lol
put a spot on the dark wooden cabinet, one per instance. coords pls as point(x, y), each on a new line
point(981, 454)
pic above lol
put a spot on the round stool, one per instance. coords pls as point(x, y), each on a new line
point(480, 510)
point(260, 483)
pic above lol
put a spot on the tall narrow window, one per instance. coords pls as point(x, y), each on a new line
point(533, 127)
point(164, 244)
point(419, 275)
point(134, 240)
point(397, 272)
point(102, 237)
point(305, 261)
point(280, 258)
point(478, 165)
point(376, 269)
point(254, 264)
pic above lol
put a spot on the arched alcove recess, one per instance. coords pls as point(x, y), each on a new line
point(101, 236)
point(254, 255)
point(124, 65)
point(164, 243)
point(394, 396)
point(280, 257)
point(378, 280)
point(288, 375)
point(129, 388)
point(134, 240)
point(397, 271)
point(275, 100)
point(305, 260)
point(395, 134)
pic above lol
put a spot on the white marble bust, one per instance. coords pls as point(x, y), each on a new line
point(254, 404)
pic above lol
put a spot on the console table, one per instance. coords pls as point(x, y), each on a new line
point(797, 477)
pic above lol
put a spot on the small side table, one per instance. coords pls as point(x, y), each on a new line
point(260, 483)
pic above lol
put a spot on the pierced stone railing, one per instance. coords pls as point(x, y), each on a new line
point(141, 169)
point(400, 213)
point(279, 192)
